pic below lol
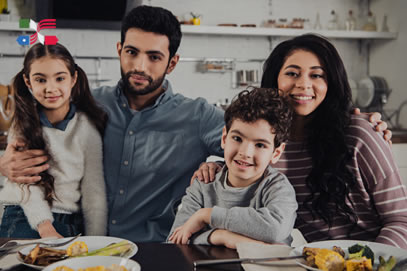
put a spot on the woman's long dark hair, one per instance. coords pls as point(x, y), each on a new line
point(26, 122)
point(330, 180)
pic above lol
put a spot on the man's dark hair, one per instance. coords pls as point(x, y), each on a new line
point(262, 103)
point(156, 20)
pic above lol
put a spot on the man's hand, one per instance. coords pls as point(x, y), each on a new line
point(381, 126)
point(46, 229)
point(195, 223)
point(229, 239)
point(22, 166)
point(206, 172)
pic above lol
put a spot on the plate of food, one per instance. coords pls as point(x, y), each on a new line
point(340, 255)
point(100, 263)
point(38, 257)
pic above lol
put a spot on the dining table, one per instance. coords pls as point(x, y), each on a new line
point(163, 256)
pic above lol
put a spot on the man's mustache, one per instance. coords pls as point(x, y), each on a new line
point(142, 74)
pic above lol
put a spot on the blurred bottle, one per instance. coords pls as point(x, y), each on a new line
point(307, 24)
point(385, 27)
point(333, 21)
point(3, 6)
point(350, 23)
point(370, 24)
point(317, 25)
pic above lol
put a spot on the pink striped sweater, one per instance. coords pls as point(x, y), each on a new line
point(380, 198)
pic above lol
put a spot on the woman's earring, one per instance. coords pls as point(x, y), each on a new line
point(30, 90)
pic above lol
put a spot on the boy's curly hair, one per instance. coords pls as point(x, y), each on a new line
point(254, 104)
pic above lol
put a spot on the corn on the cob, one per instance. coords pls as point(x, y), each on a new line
point(328, 260)
point(361, 264)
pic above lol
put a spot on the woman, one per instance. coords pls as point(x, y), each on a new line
point(347, 183)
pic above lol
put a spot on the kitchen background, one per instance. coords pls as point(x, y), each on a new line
point(217, 62)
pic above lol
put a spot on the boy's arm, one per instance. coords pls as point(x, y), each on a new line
point(229, 239)
point(194, 224)
point(192, 202)
point(271, 223)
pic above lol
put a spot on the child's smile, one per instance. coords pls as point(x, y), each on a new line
point(51, 83)
point(249, 149)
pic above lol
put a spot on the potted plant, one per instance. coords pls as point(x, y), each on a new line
point(5, 15)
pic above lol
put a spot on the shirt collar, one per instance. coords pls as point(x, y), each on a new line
point(60, 125)
point(165, 96)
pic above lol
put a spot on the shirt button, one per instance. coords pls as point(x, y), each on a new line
point(113, 221)
point(126, 163)
point(121, 191)
point(131, 132)
point(124, 105)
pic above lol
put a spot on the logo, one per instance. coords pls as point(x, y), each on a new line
point(43, 24)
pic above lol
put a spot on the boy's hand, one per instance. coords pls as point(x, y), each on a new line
point(195, 223)
point(46, 229)
point(206, 172)
point(22, 166)
point(229, 239)
point(381, 126)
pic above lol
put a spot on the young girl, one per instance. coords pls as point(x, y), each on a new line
point(55, 112)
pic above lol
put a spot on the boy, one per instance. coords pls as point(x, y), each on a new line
point(249, 200)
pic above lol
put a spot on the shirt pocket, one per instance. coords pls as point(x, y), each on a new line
point(163, 150)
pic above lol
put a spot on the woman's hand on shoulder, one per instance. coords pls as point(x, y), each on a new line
point(206, 172)
point(22, 166)
point(381, 126)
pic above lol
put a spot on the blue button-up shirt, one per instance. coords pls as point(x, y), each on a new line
point(150, 156)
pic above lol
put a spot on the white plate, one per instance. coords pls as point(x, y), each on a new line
point(379, 250)
point(106, 261)
point(93, 242)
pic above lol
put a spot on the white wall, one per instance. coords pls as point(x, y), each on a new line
point(215, 86)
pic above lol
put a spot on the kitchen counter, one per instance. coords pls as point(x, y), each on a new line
point(399, 136)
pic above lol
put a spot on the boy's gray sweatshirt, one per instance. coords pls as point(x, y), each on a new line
point(265, 210)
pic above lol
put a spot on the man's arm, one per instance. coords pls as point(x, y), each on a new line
point(22, 166)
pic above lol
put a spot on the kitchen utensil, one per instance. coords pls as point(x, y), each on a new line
point(244, 260)
point(372, 91)
point(40, 243)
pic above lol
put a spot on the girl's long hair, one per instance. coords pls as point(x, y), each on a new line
point(26, 122)
point(330, 180)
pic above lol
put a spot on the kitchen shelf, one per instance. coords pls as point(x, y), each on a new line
point(13, 26)
point(252, 31)
point(282, 32)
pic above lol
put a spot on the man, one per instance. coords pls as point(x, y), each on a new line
point(154, 139)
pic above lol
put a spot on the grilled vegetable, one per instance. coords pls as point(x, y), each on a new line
point(111, 250)
point(386, 265)
point(358, 251)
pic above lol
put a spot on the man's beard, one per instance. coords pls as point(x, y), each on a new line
point(151, 87)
